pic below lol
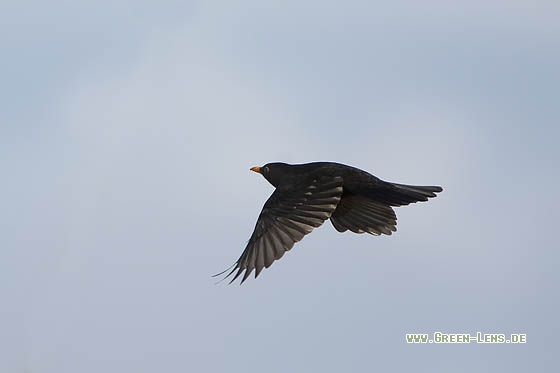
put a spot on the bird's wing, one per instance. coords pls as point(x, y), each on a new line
point(287, 216)
point(361, 214)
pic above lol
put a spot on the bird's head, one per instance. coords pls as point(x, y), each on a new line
point(274, 173)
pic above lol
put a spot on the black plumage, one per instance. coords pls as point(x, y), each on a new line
point(308, 194)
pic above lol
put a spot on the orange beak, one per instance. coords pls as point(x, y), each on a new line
point(256, 169)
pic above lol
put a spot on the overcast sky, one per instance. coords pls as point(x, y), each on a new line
point(127, 131)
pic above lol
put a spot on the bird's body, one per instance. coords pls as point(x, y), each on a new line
point(308, 194)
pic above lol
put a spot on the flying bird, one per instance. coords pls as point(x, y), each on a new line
point(308, 194)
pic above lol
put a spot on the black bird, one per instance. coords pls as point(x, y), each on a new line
point(308, 194)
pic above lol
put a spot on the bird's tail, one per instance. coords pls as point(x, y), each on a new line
point(399, 194)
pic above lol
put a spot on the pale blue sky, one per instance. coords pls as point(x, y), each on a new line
point(127, 132)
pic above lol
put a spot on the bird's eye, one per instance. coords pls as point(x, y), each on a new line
point(266, 169)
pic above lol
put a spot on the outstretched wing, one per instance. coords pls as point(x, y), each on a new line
point(361, 214)
point(287, 216)
point(368, 209)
